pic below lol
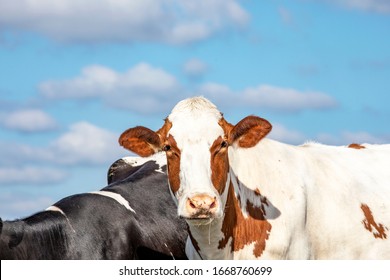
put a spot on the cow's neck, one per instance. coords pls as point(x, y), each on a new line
point(11, 238)
point(204, 241)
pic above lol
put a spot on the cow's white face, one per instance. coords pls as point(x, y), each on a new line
point(194, 144)
point(196, 137)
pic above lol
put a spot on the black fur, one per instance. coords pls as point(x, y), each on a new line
point(98, 227)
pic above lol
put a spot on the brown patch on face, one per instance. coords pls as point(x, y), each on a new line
point(356, 146)
point(169, 145)
point(173, 163)
point(244, 231)
point(219, 164)
point(370, 224)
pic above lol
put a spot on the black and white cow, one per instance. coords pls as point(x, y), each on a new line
point(134, 217)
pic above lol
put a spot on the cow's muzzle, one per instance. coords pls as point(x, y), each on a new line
point(201, 206)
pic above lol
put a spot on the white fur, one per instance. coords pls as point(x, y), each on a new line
point(317, 189)
point(195, 128)
point(116, 197)
point(159, 158)
point(57, 209)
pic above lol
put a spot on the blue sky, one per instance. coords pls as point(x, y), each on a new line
point(75, 74)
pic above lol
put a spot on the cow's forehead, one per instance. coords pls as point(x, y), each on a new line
point(195, 120)
point(200, 130)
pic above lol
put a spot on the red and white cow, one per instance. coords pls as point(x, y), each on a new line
point(246, 197)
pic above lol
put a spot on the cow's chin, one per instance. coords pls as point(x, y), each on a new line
point(200, 221)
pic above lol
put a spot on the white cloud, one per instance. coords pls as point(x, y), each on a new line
point(100, 81)
point(195, 68)
point(83, 143)
point(286, 15)
point(87, 144)
point(269, 97)
point(14, 206)
point(286, 98)
point(283, 134)
point(31, 175)
point(147, 89)
point(379, 6)
point(30, 120)
point(280, 133)
point(168, 21)
point(143, 88)
point(364, 137)
point(17, 154)
point(349, 137)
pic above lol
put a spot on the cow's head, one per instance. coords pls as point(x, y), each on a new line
point(195, 138)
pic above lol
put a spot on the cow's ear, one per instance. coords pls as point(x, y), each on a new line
point(141, 140)
point(249, 131)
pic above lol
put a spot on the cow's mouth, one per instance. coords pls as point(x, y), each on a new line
point(200, 220)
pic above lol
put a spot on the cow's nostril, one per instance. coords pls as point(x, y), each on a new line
point(213, 205)
point(192, 204)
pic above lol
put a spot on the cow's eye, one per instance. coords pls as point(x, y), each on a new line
point(224, 144)
point(166, 148)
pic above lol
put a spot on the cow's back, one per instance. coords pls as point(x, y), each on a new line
point(348, 198)
point(334, 202)
point(132, 218)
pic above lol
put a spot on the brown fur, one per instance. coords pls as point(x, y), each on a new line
point(227, 127)
point(244, 231)
point(219, 165)
point(370, 224)
point(356, 146)
point(163, 131)
point(249, 131)
point(173, 160)
point(140, 140)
